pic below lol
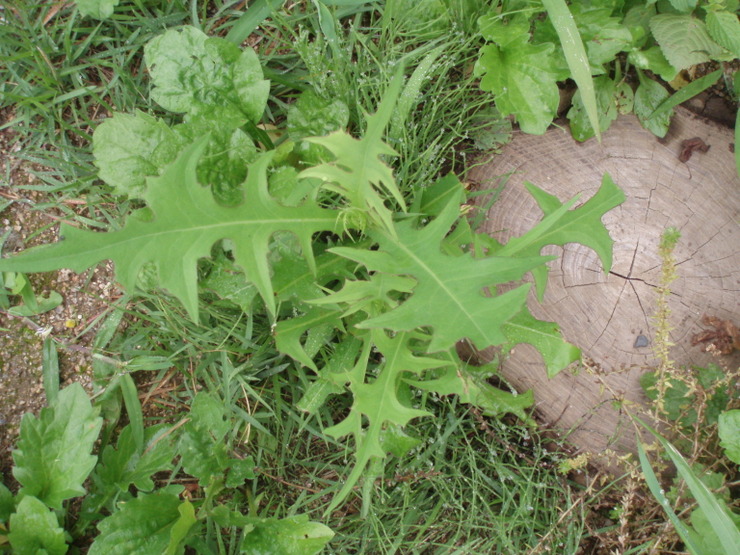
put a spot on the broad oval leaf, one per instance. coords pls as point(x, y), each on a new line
point(522, 78)
point(144, 525)
point(54, 455)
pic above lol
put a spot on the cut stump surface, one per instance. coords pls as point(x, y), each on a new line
point(610, 315)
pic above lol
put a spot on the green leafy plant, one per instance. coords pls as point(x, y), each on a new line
point(715, 528)
point(369, 296)
point(54, 459)
point(14, 284)
point(528, 54)
point(690, 403)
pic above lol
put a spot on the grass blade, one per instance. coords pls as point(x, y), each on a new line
point(133, 408)
point(724, 528)
point(683, 94)
point(50, 370)
point(255, 14)
point(652, 481)
point(722, 525)
point(575, 55)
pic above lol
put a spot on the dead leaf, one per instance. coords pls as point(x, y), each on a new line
point(689, 146)
point(725, 337)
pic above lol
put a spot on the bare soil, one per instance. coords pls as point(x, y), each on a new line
point(71, 325)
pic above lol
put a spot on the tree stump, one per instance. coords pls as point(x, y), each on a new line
point(610, 315)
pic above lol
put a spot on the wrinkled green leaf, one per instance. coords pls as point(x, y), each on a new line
point(580, 125)
point(187, 222)
point(504, 31)
point(194, 74)
point(729, 434)
point(522, 78)
point(144, 525)
point(449, 293)
point(683, 6)
point(294, 535)
point(53, 458)
point(34, 530)
point(313, 116)
point(128, 148)
point(684, 40)
point(724, 28)
point(648, 96)
point(226, 158)
point(99, 9)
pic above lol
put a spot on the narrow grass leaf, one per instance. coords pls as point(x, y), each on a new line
point(722, 524)
point(685, 93)
point(50, 370)
point(716, 513)
point(410, 93)
point(575, 55)
point(133, 409)
point(256, 13)
point(652, 481)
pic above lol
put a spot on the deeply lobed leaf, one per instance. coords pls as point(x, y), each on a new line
point(186, 222)
point(377, 402)
point(449, 294)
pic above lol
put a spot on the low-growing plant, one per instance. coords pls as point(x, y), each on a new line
point(535, 45)
point(692, 404)
point(55, 463)
point(370, 293)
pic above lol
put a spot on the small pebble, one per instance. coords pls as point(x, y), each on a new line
point(641, 341)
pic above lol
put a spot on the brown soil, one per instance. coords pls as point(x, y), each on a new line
point(72, 325)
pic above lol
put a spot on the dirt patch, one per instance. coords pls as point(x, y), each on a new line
point(71, 325)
